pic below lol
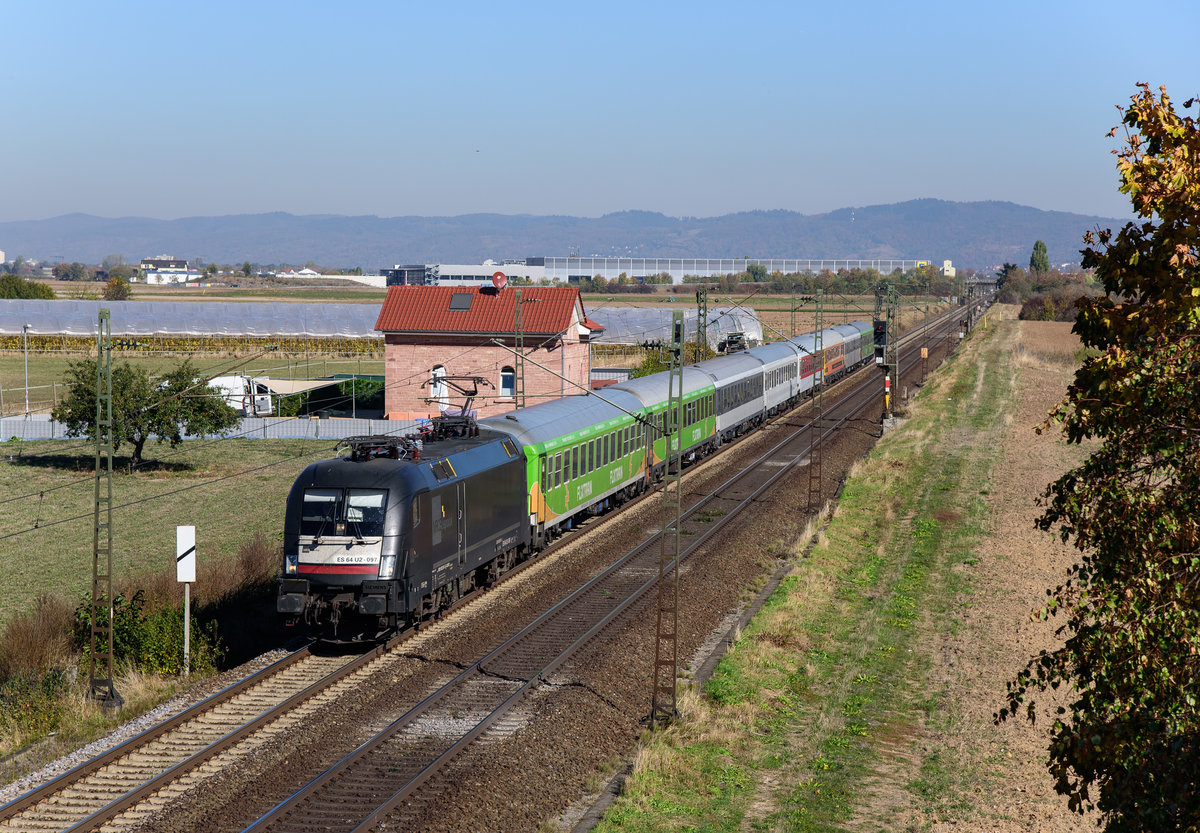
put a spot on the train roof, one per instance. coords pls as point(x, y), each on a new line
point(653, 391)
point(807, 342)
point(733, 364)
point(565, 418)
point(774, 351)
point(413, 469)
point(852, 328)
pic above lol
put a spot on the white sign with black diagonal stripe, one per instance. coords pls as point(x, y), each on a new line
point(185, 554)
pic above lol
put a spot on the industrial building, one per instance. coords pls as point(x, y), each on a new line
point(570, 270)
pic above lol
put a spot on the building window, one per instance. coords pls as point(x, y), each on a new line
point(508, 382)
point(438, 389)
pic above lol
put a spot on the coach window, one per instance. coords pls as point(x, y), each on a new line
point(508, 382)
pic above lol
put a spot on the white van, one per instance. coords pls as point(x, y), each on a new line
point(247, 394)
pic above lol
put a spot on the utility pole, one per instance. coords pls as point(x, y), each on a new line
point(924, 336)
point(814, 445)
point(101, 655)
point(893, 345)
point(666, 644)
point(519, 369)
point(701, 321)
point(25, 332)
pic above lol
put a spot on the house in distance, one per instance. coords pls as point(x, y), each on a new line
point(440, 338)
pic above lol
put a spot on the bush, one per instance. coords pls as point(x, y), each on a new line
point(1056, 305)
point(12, 286)
point(32, 706)
point(150, 641)
point(161, 649)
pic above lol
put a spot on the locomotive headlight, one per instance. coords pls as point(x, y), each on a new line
point(387, 566)
point(290, 564)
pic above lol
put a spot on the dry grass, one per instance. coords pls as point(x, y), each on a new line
point(256, 563)
point(1047, 345)
point(38, 640)
point(79, 718)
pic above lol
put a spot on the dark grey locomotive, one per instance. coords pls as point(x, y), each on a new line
point(400, 528)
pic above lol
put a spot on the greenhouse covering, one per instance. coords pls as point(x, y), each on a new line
point(200, 318)
point(265, 319)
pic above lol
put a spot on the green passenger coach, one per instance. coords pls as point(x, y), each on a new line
point(586, 453)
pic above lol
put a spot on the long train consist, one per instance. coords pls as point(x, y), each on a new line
point(403, 526)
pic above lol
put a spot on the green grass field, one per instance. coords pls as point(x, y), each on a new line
point(227, 489)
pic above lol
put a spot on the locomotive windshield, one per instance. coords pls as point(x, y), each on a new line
point(341, 512)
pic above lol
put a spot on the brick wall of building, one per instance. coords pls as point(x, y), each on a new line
point(409, 364)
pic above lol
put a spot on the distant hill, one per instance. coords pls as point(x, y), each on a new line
point(975, 234)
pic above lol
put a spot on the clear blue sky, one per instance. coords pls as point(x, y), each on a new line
point(693, 109)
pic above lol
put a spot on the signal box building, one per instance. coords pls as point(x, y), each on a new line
point(436, 335)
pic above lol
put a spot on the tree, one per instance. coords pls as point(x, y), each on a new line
point(20, 267)
point(72, 272)
point(179, 403)
point(116, 289)
point(1039, 261)
point(247, 268)
point(1129, 742)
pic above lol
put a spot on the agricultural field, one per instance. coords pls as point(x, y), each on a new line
point(252, 289)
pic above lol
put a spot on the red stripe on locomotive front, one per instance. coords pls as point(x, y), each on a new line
point(332, 569)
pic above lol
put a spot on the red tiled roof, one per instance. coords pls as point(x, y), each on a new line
point(427, 309)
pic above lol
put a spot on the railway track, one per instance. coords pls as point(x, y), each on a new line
point(146, 771)
point(396, 777)
point(135, 780)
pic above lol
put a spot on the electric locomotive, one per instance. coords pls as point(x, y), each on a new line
point(400, 528)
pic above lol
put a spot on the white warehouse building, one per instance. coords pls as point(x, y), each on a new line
point(575, 269)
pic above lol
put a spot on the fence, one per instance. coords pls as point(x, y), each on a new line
point(34, 428)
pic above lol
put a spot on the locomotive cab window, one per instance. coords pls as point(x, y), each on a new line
point(342, 512)
point(322, 509)
point(364, 512)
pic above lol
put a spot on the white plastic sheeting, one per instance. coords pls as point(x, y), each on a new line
point(622, 324)
point(200, 318)
point(633, 325)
